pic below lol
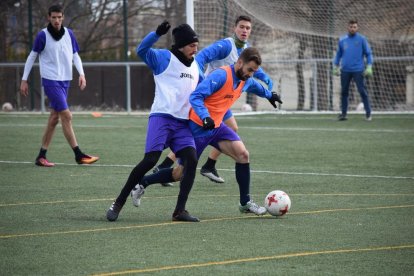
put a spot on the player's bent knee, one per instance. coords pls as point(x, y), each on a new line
point(243, 157)
point(177, 173)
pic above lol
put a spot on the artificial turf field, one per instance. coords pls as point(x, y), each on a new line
point(351, 185)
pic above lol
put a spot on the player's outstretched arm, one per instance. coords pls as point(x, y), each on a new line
point(264, 77)
point(156, 59)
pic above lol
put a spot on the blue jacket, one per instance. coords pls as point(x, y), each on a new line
point(351, 50)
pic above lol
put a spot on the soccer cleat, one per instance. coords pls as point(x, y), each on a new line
point(252, 207)
point(136, 194)
point(184, 216)
point(87, 159)
point(368, 118)
point(166, 184)
point(342, 117)
point(211, 174)
point(43, 162)
point(113, 211)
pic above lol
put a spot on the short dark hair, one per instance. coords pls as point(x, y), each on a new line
point(251, 54)
point(352, 21)
point(243, 18)
point(55, 8)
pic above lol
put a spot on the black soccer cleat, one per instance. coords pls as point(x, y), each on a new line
point(183, 215)
point(113, 211)
point(211, 173)
point(342, 117)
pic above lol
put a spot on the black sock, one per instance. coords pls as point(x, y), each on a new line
point(162, 176)
point(168, 162)
point(78, 153)
point(42, 153)
point(137, 173)
point(189, 158)
point(243, 179)
point(210, 164)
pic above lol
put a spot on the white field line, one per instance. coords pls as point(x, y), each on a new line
point(331, 129)
point(231, 170)
point(319, 129)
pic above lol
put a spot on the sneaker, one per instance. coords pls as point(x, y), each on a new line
point(113, 211)
point(252, 207)
point(184, 216)
point(136, 194)
point(166, 184)
point(211, 174)
point(43, 162)
point(87, 159)
point(368, 118)
point(342, 117)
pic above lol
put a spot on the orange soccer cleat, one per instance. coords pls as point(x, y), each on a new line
point(87, 159)
point(43, 162)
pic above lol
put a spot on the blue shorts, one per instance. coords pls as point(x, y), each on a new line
point(223, 132)
point(228, 115)
point(167, 131)
point(57, 96)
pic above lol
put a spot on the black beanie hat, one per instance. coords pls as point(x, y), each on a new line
point(184, 35)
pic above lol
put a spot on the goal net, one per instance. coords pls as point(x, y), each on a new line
point(298, 40)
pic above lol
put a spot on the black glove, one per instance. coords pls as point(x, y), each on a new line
point(208, 123)
point(163, 28)
point(275, 98)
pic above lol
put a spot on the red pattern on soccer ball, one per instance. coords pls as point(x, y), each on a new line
point(272, 199)
point(284, 210)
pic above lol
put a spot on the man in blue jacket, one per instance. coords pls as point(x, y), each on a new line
point(352, 48)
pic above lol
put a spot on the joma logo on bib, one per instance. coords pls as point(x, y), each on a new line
point(186, 75)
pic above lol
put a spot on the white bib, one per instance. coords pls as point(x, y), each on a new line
point(173, 88)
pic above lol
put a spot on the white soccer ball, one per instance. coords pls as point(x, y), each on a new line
point(277, 203)
point(246, 108)
point(7, 107)
point(360, 107)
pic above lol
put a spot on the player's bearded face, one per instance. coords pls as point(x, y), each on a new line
point(246, 70)
point(190, 50)
point(241, 75)
point(352, 29)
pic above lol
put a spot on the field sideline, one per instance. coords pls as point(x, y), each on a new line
point(351, 185)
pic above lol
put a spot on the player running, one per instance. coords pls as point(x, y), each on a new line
point(222, 52)
point(176, 76)
point(210, 101)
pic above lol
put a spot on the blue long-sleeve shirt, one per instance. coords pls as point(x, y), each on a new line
point(171, 89)
point(213, 83)
point(220, 50)
point(158, 59)
point(351, 52)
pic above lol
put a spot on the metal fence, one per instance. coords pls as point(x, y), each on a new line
point(304, 85)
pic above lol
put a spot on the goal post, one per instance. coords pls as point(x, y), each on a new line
point(298, 40)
